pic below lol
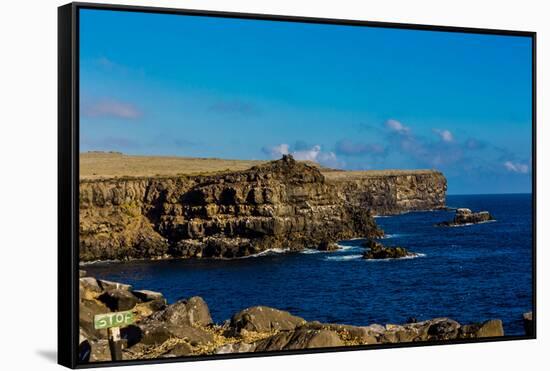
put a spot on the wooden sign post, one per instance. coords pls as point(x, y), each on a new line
point(113, 322)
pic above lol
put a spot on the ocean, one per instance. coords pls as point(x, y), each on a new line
point(469, 273)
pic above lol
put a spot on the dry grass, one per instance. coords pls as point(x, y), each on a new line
point(106, 165)
point(95, 165)
point(219, 339)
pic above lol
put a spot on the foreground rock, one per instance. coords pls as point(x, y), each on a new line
point(375, 250)
point(186, 328)
point(465, 216)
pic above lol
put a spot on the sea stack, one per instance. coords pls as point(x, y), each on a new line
point(465, 216)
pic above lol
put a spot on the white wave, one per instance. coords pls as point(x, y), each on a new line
point(265, 252)
point(93, 262)
point(343, 257)
point(346, 247)
point(414, 256)
point(390, 235)
point(311, 251)
point(469, 224)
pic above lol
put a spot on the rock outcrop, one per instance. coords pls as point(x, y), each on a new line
point(465, 216)
point(186, 328)
point(283, 204)
point(375, 250)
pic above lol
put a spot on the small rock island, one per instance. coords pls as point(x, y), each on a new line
point(375, 250)
point(465, 216)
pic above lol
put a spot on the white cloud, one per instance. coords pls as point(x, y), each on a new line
point(445, 135)
point(516, 167)
point(276, 151)
point(397, 127)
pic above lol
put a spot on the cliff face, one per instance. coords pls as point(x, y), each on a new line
point(393, 193)
point(282, 204)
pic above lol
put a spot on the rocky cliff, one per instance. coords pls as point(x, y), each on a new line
point(281, 204)
point(392, 192)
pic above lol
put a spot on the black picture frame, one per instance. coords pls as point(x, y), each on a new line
point(68, 175)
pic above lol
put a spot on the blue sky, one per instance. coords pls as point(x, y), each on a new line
point(346, 97)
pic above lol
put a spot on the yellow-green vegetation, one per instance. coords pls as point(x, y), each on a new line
point(220, 338)
point(100, 165)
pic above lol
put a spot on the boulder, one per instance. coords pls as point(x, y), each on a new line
point(404, 333)
point(118, 300)
point(528, 324)
point(100, 351)
point(81, 273)
point(378, 251)
point(328, 246)
point(186, 312)
point(264, 319)
point(356, 334)
point(301, 338)
point(143, 310)
point(87, 310)
point(147, 295)
point(491, 328)
point(442, 329)
point(88, 288)
point(157, 332)
point(110, 285)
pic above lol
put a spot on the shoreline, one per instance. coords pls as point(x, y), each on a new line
point(186, 328)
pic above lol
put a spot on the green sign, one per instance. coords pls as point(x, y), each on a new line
point(116, 319)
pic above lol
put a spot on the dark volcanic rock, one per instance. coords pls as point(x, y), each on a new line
point(87, 310)
point(465, 216)
point(118, 300)
point(443, 329)
point(378, 251)
point(264, 319)
point(147, 295)
point(301, 338)
point(185, 319)
point(327, 246)
point(489, 328)
point(186, 312)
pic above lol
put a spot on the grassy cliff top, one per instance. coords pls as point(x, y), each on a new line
point(105, 165)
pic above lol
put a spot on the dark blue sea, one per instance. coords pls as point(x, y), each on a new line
point(470, 273)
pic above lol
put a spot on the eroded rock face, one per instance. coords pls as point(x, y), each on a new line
point(281, 204)
point(465, 216)
point(393, 193)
